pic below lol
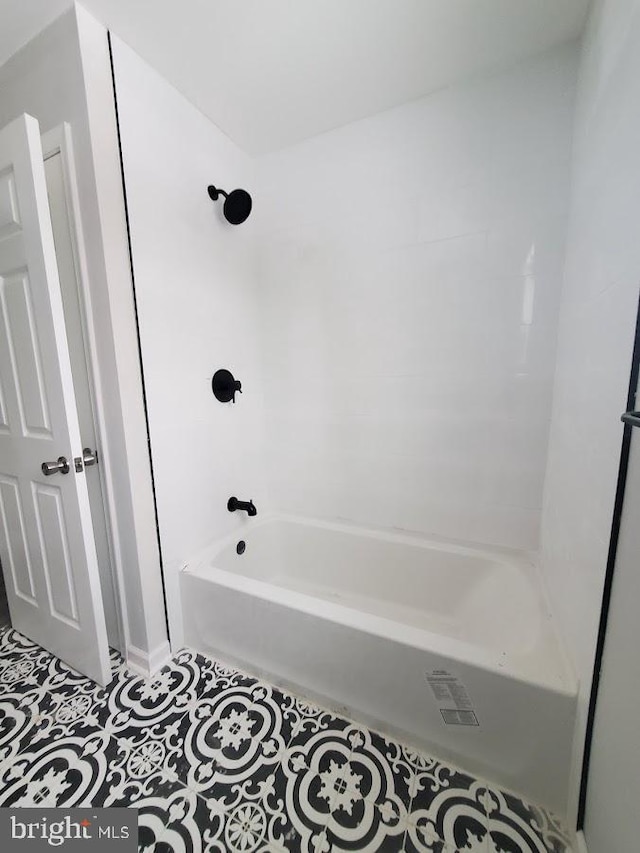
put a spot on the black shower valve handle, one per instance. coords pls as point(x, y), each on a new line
point(225, 386)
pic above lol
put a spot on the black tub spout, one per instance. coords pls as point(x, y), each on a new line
point(233, 504)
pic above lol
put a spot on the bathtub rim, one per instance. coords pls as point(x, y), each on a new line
point(497, 553)
point(560, 676)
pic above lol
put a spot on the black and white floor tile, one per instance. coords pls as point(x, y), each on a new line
point(214, 760)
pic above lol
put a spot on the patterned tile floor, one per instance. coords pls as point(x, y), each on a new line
point(217, 761)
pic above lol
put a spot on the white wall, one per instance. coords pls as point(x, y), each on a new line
point(63, 75)
point(197, 305)
point(596, 331)
point(410, 268)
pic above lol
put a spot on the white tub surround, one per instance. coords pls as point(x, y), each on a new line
point(368, 621)
point(410, 264)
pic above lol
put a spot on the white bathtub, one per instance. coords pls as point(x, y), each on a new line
point(361, 619)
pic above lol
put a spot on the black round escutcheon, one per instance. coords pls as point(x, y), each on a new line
point(240, 547)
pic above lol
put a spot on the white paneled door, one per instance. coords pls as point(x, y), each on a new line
point(47, 548)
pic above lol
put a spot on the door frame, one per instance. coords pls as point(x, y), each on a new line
point(623, 468)
point(59, 140)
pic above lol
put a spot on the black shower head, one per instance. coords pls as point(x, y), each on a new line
point(237, 204)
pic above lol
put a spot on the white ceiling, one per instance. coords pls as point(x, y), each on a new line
point(273, 72)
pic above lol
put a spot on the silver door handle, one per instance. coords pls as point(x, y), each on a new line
point(59, 467)
point(89, 456)
point(631, 418)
